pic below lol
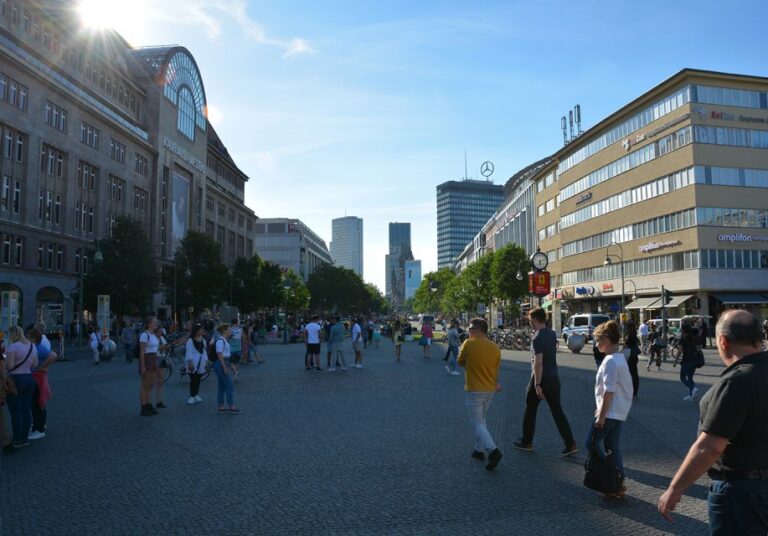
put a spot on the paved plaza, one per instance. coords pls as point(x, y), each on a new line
point(379, 450)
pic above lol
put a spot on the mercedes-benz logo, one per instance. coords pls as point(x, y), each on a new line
point(486, 170)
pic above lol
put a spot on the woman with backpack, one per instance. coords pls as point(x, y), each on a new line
point(688, 361)
point(220, 354)
point(148, 347)
point(196, 361)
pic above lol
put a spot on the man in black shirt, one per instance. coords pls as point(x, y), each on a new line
point(732, 446)
point(544, 385)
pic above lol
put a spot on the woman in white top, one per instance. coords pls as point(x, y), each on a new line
point(613, 394)
point(148, 346)
point(20, 359)
point(226, 387)
point(94, 341)
point(196, 361)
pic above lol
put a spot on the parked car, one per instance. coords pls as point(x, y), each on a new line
point(583, 324)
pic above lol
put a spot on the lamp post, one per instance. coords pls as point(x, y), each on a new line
point(187, 273)
point(287, 286)
point(609, 262)
point(98, 258)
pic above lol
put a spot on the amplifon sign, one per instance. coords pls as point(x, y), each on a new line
point(650, 247)
point(741, 237)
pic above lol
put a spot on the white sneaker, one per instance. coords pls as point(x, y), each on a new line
point(332, 369)
point(198, 399)
point(455, 373)
point(359, 365)
point(694, 392)
point(687, 398)
point(447, 370)
point(36, 435)
point(191, 401)
point(343, 368)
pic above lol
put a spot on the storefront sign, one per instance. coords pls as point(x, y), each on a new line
point(727, 116)
point(182, 153)
point(539, 283)
point(650, 247)
point(629, 143)
point(583, 198)
point(741, 237)
point(585, 291)
point(607, 287)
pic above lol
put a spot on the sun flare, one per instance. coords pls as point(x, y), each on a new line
point(113, 15)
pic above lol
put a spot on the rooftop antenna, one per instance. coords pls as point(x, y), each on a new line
point(465, 166)
point(570, 124)
point(564, 127)
point(577, 111)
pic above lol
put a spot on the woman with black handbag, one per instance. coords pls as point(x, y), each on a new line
point(632, 353)
point(20, 358)
point(613, 398)
point(688, 361)
point(196, 361)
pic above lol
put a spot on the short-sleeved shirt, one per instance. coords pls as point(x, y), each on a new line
point(222, 347)
point(313, 333)
point(736, 407)
point(613, 377)
point(16, 354)
point(481, 359)
point(336, 336)
point(426, 331)
point(545, 343)
point(94, 339)
point(197, 358)
point(235, 341)
point(453, 338)
point(42, 354)
point(151, 340)
point(356, 332)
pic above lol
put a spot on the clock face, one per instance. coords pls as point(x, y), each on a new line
point(539, 260)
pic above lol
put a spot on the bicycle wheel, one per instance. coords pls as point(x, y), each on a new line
point(165, 368)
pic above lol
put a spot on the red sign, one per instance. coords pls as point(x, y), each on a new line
point(607, 287)
point(539, 283)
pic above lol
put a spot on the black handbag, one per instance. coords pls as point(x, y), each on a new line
point(602, 473)
point(699, 361)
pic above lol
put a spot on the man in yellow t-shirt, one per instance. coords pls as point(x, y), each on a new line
point(481, 359)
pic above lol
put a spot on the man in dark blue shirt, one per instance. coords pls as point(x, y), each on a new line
point(544, 385)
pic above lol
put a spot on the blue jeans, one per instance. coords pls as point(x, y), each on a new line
point(226, 387)
point(687, 370)
point(738, 507)
point(20, 406)
point(608, 439)
point(453, 354)
point(477, 403)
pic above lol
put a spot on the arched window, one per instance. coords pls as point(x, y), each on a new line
point(186, 113)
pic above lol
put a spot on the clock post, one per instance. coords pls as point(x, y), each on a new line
point(539, 279)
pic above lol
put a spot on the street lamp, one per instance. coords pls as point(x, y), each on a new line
point(519, 275)
point(634, 289)
point(287, 286)
point(98, 258)
point(609, 262)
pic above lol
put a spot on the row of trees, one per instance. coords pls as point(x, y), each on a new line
point(491, 279)
point(198, 278)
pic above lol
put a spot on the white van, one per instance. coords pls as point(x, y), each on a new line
point(584, 325)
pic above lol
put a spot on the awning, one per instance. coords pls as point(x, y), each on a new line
point(737, 298)
point(677, 301)
point(646, 302)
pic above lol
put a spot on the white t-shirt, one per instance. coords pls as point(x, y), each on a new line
point(356, 332)
point(45, 342)
point(643, 329)
point(313, 333)
point(94, 339)
point(613, 377)
point(152, 342)
point(198, 359)
point(222, 347)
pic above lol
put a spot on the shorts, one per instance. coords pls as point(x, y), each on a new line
point(234, 357)
point(358, 346)
point(429, 341)
point(313, 348)
point(150, 363)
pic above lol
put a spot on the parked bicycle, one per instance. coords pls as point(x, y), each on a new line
point(174, 360)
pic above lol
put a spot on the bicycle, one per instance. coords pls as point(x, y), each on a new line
point(171, 361)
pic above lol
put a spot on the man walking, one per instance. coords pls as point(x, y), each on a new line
point(732, 446)
point(357, 343)
point(235, 348)
point(481, 359)
point(544, 385)
point(335, 345)
point(312, 339)
point(129, 341)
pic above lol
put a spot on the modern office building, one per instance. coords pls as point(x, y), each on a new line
point(399, 253)
point(347, 243)
point(463, 207)
point(412, 278)
point(290, 244)
point(673, 188)
point(93, 129)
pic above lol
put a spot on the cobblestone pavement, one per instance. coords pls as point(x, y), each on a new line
point(379, 450)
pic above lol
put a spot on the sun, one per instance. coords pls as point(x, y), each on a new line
point(113, 15)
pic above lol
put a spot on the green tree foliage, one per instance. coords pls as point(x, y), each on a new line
point(296, 296)
point(504, 269)
point(127, 273)
point(429, 296)
point(257, 284)
point(336, 289)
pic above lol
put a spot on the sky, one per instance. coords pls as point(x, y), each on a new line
point(361, 108)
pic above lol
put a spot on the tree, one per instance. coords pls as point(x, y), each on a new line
point(504, 270)
point(470, 288)
point(429, 296)
point(340, 290)
point(296, 297)
point(127, 273)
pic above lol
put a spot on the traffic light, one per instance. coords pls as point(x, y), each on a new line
point(666, 296)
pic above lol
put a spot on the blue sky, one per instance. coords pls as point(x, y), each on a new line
point(362, 108)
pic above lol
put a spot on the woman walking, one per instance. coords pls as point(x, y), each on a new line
point(225, 388)
point(20, 359)
point(196, 360)
point(632, 342)
point(397, 338)
point(148, 346)
point(453, 349)
point(613, 397)
point(42, 390)
point(688, 361)
point(426, 339)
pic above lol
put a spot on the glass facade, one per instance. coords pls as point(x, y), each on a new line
point(182, 80)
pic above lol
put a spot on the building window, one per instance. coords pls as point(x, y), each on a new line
point(186, 113)
point(140, 200)
point(116, 151)
point(55, 116)
point(52, 162)
point(19, 253)
point(116, 187)
point(89, 135)
point(141, 164)
point(87, 175)
point(209, 203)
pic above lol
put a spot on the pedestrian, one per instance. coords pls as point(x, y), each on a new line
point(613, 396)
point(632, 343)
point(336, 345)
point(6, 440)
point(163, 350)
point(196, 361)
point(312, 340)
point(128, 336)
point(544, 385)
point(357, 343)
point(643, 331)
point(453, 349)
point(397, 338)
point(148, 348)
point(657, 344)
point(96, 344)
point(20, 359)
point(688, 361)
point(376, 335)
point(703, 330)
point(733, 434)
point(42, 390)
point(426, 339)
point(481, 359)
point(236, 347)
point(599, 356)
point(369, 330)
point(226, 389)
point(255, 339)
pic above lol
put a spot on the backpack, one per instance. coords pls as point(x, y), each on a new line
point(212, 355)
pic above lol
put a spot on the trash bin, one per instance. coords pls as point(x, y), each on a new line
point(576, 343)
